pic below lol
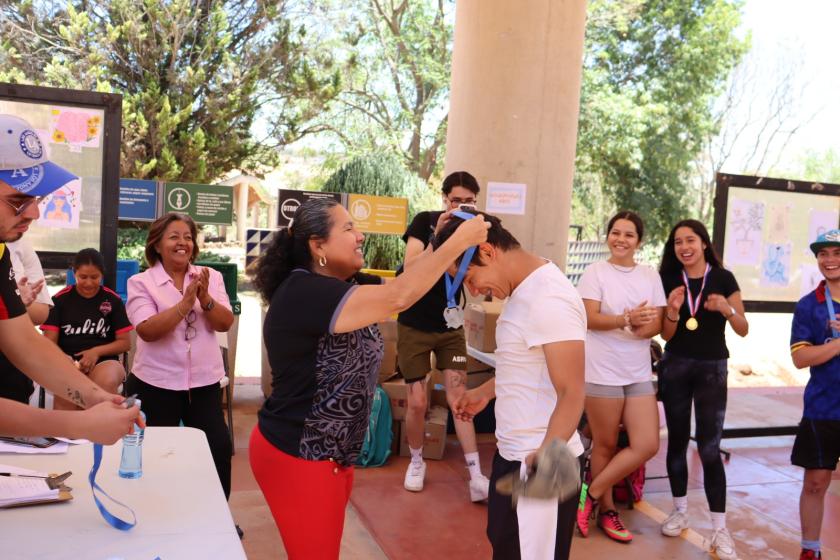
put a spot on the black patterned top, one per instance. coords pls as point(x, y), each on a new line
point(323, 382)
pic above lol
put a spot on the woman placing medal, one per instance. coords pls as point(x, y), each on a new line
point(702, 297)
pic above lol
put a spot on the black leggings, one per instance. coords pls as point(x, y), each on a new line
point(200, 407)
point(681, 381)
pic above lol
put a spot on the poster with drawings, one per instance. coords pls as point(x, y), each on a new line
point(61, 209)
point(811, 277)
point(75, 128)
point(775, 266)
point(778, 223)
point(743, 239)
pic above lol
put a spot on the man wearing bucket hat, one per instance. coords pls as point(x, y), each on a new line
point(27, 175)
point(815, 343)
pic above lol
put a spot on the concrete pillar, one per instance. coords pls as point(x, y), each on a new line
point(515, 95)
point(241, 211)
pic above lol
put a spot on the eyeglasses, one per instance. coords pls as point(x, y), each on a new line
point(21, 208)
point(458, 200)
point(190, 331)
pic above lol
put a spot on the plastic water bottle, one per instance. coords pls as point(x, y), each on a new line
point(131, 463)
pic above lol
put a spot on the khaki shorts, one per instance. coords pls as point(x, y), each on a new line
point(414, 349)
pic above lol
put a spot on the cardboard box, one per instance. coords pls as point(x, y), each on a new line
point(434, 435)
point(480, 324)
point(397, 392)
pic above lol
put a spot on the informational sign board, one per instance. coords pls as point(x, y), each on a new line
point(378, 214)
point(81, 132)
point(763, 228)
point(138, 200)
point(289, 200)
point(506, 198)
point(206, 204)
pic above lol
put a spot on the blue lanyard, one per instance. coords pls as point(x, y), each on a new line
point(452, 285)
point(113, 520)
point(831, 315)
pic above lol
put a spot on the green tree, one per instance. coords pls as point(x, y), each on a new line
point(652, 69)
point(396, 56)
point(381, 175)
point(194, 75)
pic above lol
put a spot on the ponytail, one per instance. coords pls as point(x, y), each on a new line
point(275, 264)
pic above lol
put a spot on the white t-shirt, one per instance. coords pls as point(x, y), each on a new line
point(618, 357)
point(25, 263)
point(544, 308)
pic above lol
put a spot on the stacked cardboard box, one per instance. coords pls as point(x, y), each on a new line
point(480, 324)
point(389, 359)
point(434, 434)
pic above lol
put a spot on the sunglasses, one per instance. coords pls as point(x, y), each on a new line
point(190, 331)
point(21, 208)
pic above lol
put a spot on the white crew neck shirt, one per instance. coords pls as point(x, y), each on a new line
point(544, 308)
point(618, 357)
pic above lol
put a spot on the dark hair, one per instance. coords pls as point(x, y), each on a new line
point(91, 257)
point(497, 236)
point(156, 234)
point(671, 264)
point(631, 217)
point(289, 248)
point(460, 179)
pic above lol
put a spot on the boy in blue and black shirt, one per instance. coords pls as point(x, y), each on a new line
point(815, 343)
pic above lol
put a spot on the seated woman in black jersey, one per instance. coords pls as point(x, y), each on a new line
point(89, 323)
point(324, 350)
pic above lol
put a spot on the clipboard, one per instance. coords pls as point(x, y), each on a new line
point(63, 496)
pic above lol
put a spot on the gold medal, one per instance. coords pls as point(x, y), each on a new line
point(692, 324)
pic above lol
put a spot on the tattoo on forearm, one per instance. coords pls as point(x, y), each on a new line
point(75, 396)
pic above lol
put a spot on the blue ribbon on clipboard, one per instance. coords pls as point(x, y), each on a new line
point(112, 519)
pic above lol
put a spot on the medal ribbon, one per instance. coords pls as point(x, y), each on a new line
point(452, 285)
point(831, 315)
point(694, 303)
point(112, 519)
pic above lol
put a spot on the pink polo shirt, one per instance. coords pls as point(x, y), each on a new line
point(172, 362)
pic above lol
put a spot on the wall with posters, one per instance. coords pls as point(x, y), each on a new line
point(763, 228)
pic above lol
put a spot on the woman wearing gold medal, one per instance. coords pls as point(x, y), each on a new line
point(702, 298)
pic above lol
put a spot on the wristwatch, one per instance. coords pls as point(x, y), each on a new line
point(209, 306)
point(732, 313)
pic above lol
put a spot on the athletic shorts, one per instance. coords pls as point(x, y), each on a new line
point(642, 389)
point(817, 444)
point(414, 349)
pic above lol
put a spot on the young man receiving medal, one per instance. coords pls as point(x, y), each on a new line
point(539, 387)
point(702, 298)
point(815, 343)
point(435, 324)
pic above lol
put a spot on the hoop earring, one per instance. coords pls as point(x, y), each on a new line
point(322, 262)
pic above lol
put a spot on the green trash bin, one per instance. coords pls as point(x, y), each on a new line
point(229, 273)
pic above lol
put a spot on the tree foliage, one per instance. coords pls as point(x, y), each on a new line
point(194, 75)
point(397, 56)
point(381, 175)
point(652, 69)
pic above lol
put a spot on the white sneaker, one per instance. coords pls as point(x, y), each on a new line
point(414, 476)
point(723, 546)
point(479, 488)
point(674, 524)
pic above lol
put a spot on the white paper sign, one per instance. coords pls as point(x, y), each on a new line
point(506, 198)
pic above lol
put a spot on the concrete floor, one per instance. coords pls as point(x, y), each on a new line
point(385, 521)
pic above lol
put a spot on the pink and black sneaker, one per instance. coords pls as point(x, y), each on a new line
point(611, 524)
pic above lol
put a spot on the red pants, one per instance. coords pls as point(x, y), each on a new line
point(306, 498)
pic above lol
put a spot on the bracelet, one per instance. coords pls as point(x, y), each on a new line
point(731, 314)
point(627, 319)
point(178, 309)
point(672, 320)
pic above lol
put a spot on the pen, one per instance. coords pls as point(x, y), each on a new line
point(129, 402)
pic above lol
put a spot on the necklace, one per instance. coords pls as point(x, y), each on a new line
point(622, 268)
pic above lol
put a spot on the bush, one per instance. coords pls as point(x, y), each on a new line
point(381, 176)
